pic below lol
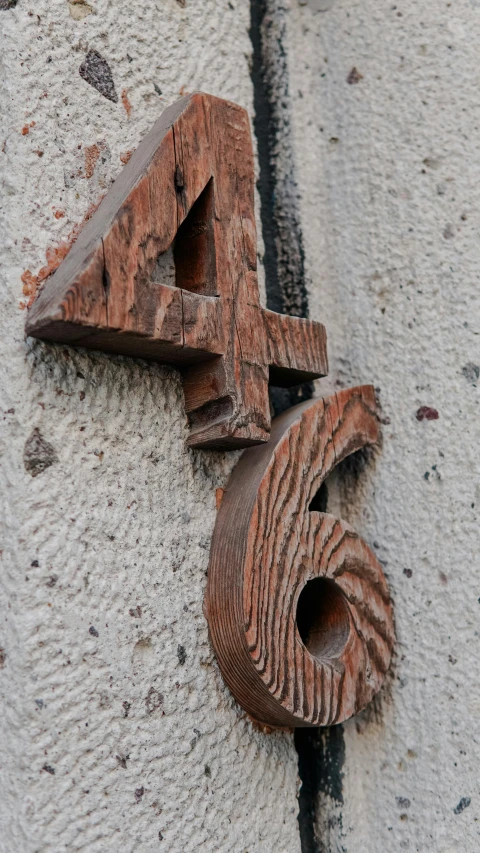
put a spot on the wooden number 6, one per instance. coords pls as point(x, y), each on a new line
point(298, 607)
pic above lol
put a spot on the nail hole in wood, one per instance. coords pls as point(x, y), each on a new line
point(323, 618)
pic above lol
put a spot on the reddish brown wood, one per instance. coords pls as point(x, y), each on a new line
point(279, 572)
point(191, 183)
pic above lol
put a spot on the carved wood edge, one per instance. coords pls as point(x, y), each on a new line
point(268, 545)
point(189, 184)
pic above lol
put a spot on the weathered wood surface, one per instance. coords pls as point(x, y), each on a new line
point(190, 183)
point(268, 547)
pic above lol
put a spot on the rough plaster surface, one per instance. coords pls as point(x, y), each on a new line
point(117, 731)
point(388, 172)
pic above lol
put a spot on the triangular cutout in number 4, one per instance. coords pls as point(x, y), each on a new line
point(189, 183)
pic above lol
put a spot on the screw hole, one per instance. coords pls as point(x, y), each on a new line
point(323, 618)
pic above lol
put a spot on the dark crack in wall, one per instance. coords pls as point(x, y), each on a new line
point(321, 752)
point(284, 258)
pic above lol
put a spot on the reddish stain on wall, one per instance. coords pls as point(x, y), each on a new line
point(126, 103)
point(426, 413)
point(26, 128)
point(92, 153)
point(54, 257)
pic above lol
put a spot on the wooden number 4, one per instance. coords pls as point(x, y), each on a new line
point(189, 184)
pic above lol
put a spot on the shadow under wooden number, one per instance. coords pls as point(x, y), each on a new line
point(190, 183)
point(298, 607)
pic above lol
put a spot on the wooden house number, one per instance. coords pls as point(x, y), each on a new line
point(298, 607)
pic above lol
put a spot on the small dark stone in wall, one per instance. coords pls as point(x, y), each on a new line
point(157, 89)
point(93, 631)
point(471, 372)
point(139, 792)
point(181, 654)
point(181, 3)
point(426, 413)
point(96, 71)
point(126, 707)
point(48, 769)
point(3, 658)
point(463, 804)
point(207, 771)
point(354, 76)
point(38, 454)
point(408, 573)
point(403, 802)
point(153, 701)
point(52, 580)
point(7, 4)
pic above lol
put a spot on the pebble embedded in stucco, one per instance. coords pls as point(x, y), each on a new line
point(79, 9)
point(38, 454)
point(426, 413)
point(463, 804)
point(471, 372)
point(96, 71)
point(182, 655)
point(7, 4)
point(354, 76)
point(153, 700)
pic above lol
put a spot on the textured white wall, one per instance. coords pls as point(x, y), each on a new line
point(388, 170)
point(114, 534)
point(117, 732)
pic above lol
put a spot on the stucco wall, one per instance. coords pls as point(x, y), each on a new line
point(387, 169)
point(117, 726)
point(117, 731)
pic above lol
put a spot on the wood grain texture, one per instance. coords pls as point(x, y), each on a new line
point(190, 183)
point(297, 604)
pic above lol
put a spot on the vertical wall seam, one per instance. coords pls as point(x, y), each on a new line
point(284, 258)
point(321, 752)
